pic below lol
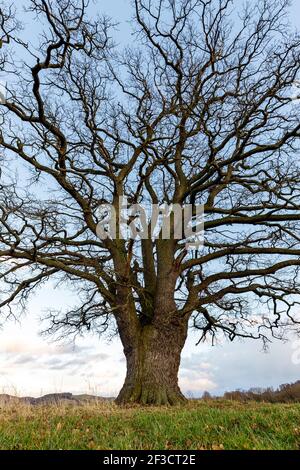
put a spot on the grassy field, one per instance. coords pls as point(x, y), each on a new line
point(199, 425)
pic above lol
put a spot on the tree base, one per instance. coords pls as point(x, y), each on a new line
point(152, 368)
point(150, 395)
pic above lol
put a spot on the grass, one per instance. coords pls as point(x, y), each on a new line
point(199, 425)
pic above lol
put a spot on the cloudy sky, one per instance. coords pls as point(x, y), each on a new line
point(34, 365)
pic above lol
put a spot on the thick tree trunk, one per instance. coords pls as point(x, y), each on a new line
point(152, 366)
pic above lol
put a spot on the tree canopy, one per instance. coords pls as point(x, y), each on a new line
point(196, 110)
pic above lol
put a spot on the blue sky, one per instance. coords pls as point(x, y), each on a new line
point(31, 364)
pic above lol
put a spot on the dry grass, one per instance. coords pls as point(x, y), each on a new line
point(199, 425)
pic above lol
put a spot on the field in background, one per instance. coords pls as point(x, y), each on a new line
point(200, 425)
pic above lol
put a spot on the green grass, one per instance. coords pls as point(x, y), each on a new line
point(199, 425)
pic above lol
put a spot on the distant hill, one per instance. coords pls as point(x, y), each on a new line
point(51, 398)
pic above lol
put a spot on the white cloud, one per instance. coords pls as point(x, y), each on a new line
point(197, 385)
point(29, 365)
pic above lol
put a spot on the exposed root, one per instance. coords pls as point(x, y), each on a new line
point(150, 395)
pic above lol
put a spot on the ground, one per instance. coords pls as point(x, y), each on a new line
point(199, 425)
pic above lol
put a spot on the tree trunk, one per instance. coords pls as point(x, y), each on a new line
point(152, 366)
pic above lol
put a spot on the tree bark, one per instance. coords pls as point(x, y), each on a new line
point(152, 366)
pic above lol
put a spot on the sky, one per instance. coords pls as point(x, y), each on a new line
point(31, 364)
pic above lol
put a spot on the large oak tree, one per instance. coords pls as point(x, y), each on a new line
point(196, 110)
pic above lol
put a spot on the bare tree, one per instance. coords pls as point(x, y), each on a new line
point(197, 111)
